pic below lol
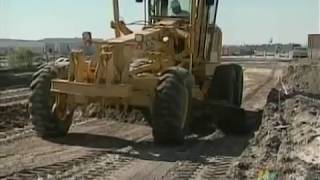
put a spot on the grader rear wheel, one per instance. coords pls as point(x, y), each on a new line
point(225, 99)
point(172, 105)
point(227, 84)
point(50, 118)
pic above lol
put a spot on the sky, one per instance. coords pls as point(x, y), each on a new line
point(242, 21)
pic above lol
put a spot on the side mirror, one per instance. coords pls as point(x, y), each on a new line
point(210, 2)
point(87, 38)
point(139, 1)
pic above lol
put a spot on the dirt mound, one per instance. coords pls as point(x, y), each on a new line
point(17, 116)
point(129, 116)
point(14, 116)
point(303, 76)
point(287, 143)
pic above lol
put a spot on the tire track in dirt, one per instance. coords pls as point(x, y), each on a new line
point(77, 145)
point(114, 150)
point(20, 133)
point(257, 86)
point(96, 164)
point(115, 164)
point(14, 92)
point(13, 116)
point(270, 78)
point(14, 96)
point(140, 159)
point(207, 157)
point(204, 160)
point(216, 168)
point(13, 110)
point(183, 170)
point(211, 168)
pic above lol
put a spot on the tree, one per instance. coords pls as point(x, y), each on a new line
point(21, 57)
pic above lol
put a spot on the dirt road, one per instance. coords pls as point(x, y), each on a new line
point(108, 149)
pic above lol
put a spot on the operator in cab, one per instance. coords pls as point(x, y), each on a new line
point(177, 10)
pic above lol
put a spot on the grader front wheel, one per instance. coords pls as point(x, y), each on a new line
point(172, 105)
point(49, 117)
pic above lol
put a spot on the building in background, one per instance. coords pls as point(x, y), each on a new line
point(9, 45)
point(314, 46)
point(259, 50)
point(48, 48)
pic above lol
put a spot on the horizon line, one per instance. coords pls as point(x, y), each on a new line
point(227, 44)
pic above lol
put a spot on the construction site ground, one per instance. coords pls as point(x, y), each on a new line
point(115, 148)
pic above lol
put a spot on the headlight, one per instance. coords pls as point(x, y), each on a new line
point(139, 37)
point(165, 39)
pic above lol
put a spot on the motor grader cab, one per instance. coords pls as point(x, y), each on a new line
point(159, 69)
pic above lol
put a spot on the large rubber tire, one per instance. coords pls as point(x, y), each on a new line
point(225, 99)
point(227, 84)
point(239, 84)
point(172, 106)
point(42, 106)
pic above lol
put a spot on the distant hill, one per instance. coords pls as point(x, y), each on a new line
point(61, 46)
point(38, 45)
point(19, 43)
point(61, 40)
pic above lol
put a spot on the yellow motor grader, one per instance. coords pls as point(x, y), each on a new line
point(173, 59)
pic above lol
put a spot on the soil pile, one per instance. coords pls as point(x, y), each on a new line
point(287, 143)
point(134, 116)
point(304, 77)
